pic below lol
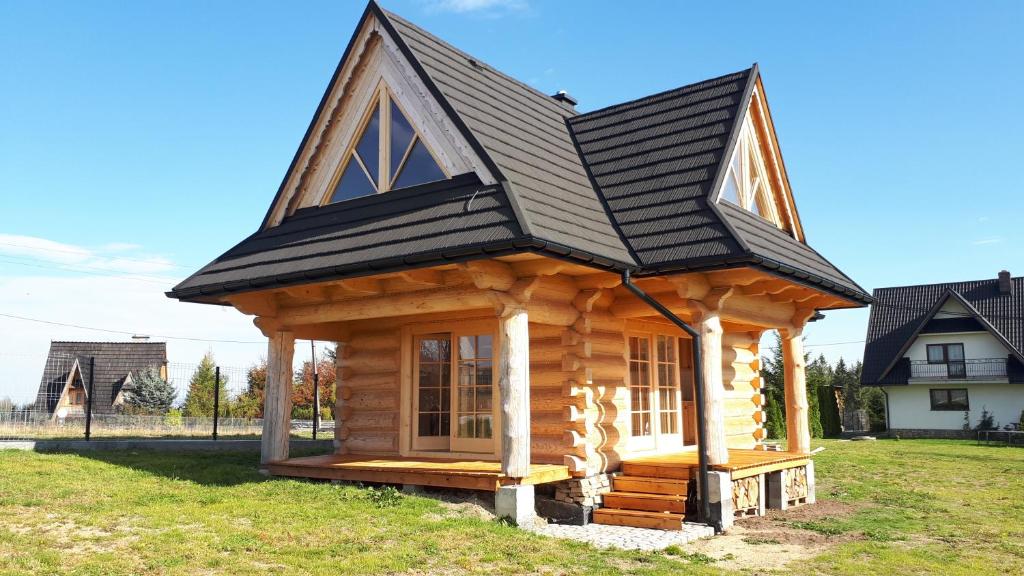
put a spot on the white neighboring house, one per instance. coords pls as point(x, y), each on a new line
point(947, 353)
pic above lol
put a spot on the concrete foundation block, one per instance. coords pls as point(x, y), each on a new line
point(516, 503)
point(720, 499)
point(811, 499)
point(775, 483)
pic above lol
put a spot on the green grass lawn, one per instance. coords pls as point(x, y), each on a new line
point(907, 507)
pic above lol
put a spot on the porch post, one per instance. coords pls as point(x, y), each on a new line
point(514, 387)
point(798, 432)
point(277, 399)
point(710, 328)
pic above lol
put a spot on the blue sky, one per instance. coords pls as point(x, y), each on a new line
point(152, 136)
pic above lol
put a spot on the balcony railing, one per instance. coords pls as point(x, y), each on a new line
point(978, 369)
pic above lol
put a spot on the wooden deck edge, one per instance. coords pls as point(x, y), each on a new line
point(766, 468)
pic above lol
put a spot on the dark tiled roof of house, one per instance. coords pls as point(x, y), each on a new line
point(523, 131)
point(114, 361)
point(899, 313)
point(658, 161)
point(628, 186)
point(396, 230)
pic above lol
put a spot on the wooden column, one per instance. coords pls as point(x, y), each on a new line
point(710, 328)
point(277, 399)
point(514, 387)
point(798, 430)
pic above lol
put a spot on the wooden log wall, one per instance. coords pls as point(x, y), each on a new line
point(743, 402)
point(367, 411)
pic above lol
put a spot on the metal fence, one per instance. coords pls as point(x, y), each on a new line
point(976, 369)
point(84, 397)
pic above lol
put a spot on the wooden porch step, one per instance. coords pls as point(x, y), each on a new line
point(656, 470)
point(646, 502)
point(639, 519)
point(650, 485)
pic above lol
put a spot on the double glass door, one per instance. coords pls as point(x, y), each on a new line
point(455, 395)
point(654, 392)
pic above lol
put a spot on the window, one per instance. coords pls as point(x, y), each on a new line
point(388, 154)
point(747, 183)
point(945, 353)
point(668, 387)
point(640, 385)
point(949, 399)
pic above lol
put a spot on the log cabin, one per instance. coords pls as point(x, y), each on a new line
point(532, 300)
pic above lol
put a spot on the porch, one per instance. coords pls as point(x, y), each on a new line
point(466, 474)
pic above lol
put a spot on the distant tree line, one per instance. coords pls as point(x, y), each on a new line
point(832, 393)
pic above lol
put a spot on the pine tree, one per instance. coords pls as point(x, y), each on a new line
point(773, 387)
point(199, 400)
point(150, 394)
point(819, 375)
point(250, 402)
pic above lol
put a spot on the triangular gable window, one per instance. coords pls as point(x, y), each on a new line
point(747, 182)
point(388, 154)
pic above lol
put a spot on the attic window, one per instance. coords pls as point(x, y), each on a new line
point(388, 154)
point(747, 182)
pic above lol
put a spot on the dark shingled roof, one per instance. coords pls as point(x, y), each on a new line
point(396, 230)
point(898, 314)
point(657, 161)
point(114, 361)
point(626, 187)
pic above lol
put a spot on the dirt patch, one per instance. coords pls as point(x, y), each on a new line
point(770, 543)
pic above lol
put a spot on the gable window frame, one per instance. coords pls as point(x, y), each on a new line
point(381, 104)
point(941, 400)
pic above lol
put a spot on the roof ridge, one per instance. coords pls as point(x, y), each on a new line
point(692, 85)
point(945, 284)
point(555, 106)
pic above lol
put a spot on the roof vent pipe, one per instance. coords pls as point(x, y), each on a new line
point(1005, 286)
point(563, 97)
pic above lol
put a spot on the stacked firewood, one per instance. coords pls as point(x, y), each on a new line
point(746, 493)
point(796, 483)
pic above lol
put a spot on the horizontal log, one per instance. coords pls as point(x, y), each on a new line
point(754, 310)
point(371, 362)
point(446, 299)
point(372, 442)
point(557, 446)
point(734, 355)
point(605, 367)
point(372, 400)
point(384, 340)
point(544, 331)
point(372, 421)
point(381, 381)
point(552, 400)
point(737, 373)
point(550, 312)
point(554, 423)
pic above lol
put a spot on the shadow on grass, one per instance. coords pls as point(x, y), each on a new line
point(228, 468)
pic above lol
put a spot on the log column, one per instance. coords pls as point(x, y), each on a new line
point(798, 431)
point(710, 328)
point(277, 400)
point(514, 387)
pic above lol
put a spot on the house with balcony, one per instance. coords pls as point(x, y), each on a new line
point(947, 354)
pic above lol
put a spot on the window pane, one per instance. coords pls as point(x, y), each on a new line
point(419, 168)
point(353, 183)
point(483, 373)
point(955, 352)
point(483, 399)
point(731, 191)
point(935, 353)
point(401, 137)
point(430, 399)
point(958, 397)
point(430, 375)
point(483, 346)
point(484, 427)
point(368, 148)
point(467, 347)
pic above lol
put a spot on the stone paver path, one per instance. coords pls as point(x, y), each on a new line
point(626, 537)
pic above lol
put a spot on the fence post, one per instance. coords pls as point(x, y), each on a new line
point(216, 400)
point(88, 401)
point(316, 390)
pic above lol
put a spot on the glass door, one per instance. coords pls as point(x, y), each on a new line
point(432, 371)
point(473, 425)
point(668, 401)
point(654, 393)
point(454, 410)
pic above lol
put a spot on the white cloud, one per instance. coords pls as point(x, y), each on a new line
point(985, 241)
point(110, 257)
point(464, 6)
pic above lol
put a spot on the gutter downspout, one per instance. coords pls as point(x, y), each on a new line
point(698, 387)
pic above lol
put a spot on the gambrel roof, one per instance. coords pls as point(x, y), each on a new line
point(900, 313)
point(114, 363)
point(628, 187)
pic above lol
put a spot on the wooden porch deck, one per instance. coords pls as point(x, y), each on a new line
point(742, 463)
point(438, 472)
